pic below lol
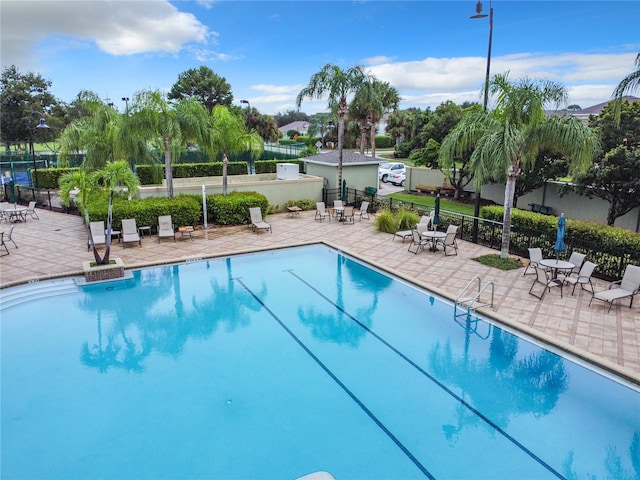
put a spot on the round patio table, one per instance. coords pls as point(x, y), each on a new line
point(433, 236)
point(556, 265)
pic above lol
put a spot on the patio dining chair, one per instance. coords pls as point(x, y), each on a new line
point(31, 211)
point(543, 277)
point(577, 259)
point(364, 210)
point(449, 240)
point(417, 242)
point(8, 237)
point(3, 244)
point(535, 255)
point(347, 215)
point(583, 277)
point(321, 211)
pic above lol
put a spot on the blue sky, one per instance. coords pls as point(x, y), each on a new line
point(431, 51)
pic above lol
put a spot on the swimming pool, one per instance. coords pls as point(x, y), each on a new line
point(277, 364)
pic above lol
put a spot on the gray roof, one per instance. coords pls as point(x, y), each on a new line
point(348, 158)
point(592, 110)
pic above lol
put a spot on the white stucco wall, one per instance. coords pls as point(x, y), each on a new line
point(573, 205)
point(277, 191)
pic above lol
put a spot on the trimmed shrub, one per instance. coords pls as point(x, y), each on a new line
point(384, 141)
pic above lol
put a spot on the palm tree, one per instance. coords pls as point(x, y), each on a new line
point(629, 84)
point(507, 139)
point(337, 84)
point(169, 124)
point(116, 178)
point(399, 125)
point(384, 98)
point(227, 135)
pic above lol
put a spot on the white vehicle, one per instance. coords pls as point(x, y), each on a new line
point(386, 169)
point(397, 178)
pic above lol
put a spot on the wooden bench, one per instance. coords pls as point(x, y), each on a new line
point(427, 189)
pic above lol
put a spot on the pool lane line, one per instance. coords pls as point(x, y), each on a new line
point(434, 380)
point(328, 371)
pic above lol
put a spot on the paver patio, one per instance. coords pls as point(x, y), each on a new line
point(56, 245)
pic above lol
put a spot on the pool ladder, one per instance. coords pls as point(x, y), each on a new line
point(473, 302)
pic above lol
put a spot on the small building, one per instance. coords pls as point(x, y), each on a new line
point(359, 171)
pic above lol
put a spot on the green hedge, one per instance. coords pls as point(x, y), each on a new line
point(232, 209)
point(384, 141)
point(601, 235)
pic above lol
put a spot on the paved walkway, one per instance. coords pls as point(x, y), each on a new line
point(56, 245)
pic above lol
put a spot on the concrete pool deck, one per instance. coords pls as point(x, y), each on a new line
point(56, 245)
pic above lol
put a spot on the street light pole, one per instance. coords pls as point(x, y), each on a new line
point(41, 124)
point(250, 167)
point(126, 104)
point(479, 14)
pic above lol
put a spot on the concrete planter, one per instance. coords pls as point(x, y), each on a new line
point(103, 272)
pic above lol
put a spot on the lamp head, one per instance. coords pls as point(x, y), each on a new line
point(42, 124)
point(479, 13)
point(244, 101)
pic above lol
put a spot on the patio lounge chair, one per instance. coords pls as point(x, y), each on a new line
point(257, 223)
point(628, 287)
point(364, 210)
point(31, 210)
point(583, 277)
point(577, 259)
point(543, 277)
point(450, 239)
point(417, 241)
point(130, 232)
point(535, 255)
point(97, 233)
point(321, 211)
point(165, 228)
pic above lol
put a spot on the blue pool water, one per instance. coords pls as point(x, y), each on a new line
point(277, 364)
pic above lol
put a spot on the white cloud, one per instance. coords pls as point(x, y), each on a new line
point(117, 28)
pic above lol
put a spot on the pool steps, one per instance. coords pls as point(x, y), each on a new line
point(12, 296)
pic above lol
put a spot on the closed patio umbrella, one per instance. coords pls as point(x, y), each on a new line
point(560, 246)
point(436, 211)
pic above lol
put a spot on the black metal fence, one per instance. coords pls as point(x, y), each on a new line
point(610, 258)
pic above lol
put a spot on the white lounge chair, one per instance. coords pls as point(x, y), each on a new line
point(583, 277)
point(321, 211)
point(130, 232)
point(165, 228)
point(97, 233)
point(543, 277)
point(257, 223)
point(628, 287)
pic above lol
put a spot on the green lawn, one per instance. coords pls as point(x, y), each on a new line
point(429, 201)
